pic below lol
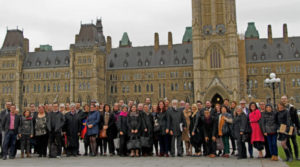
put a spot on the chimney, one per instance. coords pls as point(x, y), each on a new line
point(156, 41)
point(285, 33)
point(170, 41)
point(270, 36)
point(26, 45)
point(108, 45)
point(76, 38)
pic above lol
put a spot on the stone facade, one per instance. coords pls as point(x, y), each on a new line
point(212, 63)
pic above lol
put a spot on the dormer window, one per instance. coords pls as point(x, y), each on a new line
point(183, 61)
point(280, 56)
point(38, 63)
point(56, 62)
point(67, 61)
point(147, 63)
point(176, 61)
point(140, 63)
point(47, 62)
point(162, 62)
point(125, 64)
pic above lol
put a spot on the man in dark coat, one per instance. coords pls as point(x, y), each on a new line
point(72, 130)
point(55, 124)
point(2, 116)
point(295, 123)
point(177, 124)
point(10, 124)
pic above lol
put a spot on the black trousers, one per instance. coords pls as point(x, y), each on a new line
point(99, 143)
point(294, 141)
point(232, 143)
point(71, 151)
point(210, 147)
point(55, 139)
point(268, 154)
point(123, 146)
point(178, 143)
point(25, 144)
point(241, 146)
point(41, 145)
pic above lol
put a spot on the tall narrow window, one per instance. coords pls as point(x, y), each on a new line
point(215, 58)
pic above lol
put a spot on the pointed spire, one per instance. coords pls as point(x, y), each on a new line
point(125, 42)
point(188, 34)
point(251, 32)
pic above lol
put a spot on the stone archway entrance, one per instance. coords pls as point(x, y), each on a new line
point(217, 99)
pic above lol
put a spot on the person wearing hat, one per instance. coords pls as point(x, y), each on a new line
point(247, 111)
point(270, 131)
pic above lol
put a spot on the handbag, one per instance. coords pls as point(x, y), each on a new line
point(103, 134)
point(133, 143)
point(145, 141)
point(220, 144)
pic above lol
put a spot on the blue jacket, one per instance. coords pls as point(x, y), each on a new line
point(93, 119)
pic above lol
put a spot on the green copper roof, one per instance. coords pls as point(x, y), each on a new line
point(188, 35)
point(125, 40)
point(45, 48)
point(251, 31)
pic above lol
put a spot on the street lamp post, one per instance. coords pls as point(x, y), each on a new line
point(273, 83)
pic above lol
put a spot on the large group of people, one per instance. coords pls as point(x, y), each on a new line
point(169, 128)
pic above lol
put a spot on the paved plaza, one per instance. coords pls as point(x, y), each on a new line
point(108, 161)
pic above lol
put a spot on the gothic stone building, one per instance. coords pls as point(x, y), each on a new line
point(212, 63)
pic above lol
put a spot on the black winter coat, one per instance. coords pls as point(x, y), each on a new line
point(2, 117)
point(59, 121)
point(134, 123)
point(240, 124)
point(72, 127)
point(111, 131)
point(210, 127)
point(6, 123)
point(269, 122)
point(283, 117)
point(122, 124)
point(148, 123)
point(176, 118)
point(26, 126)
point(163, 121)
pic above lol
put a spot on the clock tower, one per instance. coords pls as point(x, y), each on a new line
point(215, 50)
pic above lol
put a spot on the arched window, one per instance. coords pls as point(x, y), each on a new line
point(215, 57)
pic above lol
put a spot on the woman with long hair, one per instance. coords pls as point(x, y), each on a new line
point(195, 134)
point(123, 130)
point(93, 128)
point(186, 132)
point(134, 123)
point(257, 137)
point(108, 124)
point(155, 128)
point(284, 121)
point(163, 120)
point(224, 121)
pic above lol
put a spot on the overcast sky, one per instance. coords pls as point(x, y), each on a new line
point(56, 22)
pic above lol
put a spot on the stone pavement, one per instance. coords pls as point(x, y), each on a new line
point(142, 161)
point(100, 161)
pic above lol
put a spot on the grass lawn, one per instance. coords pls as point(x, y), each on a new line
point(281, 153)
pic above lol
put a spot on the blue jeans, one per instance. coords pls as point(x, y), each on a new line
point(9, 140)
point(164, 144)
point(272, 140)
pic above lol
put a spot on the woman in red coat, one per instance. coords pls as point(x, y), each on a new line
point(257, 137)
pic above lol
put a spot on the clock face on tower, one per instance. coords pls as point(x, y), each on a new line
point(220, 29)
